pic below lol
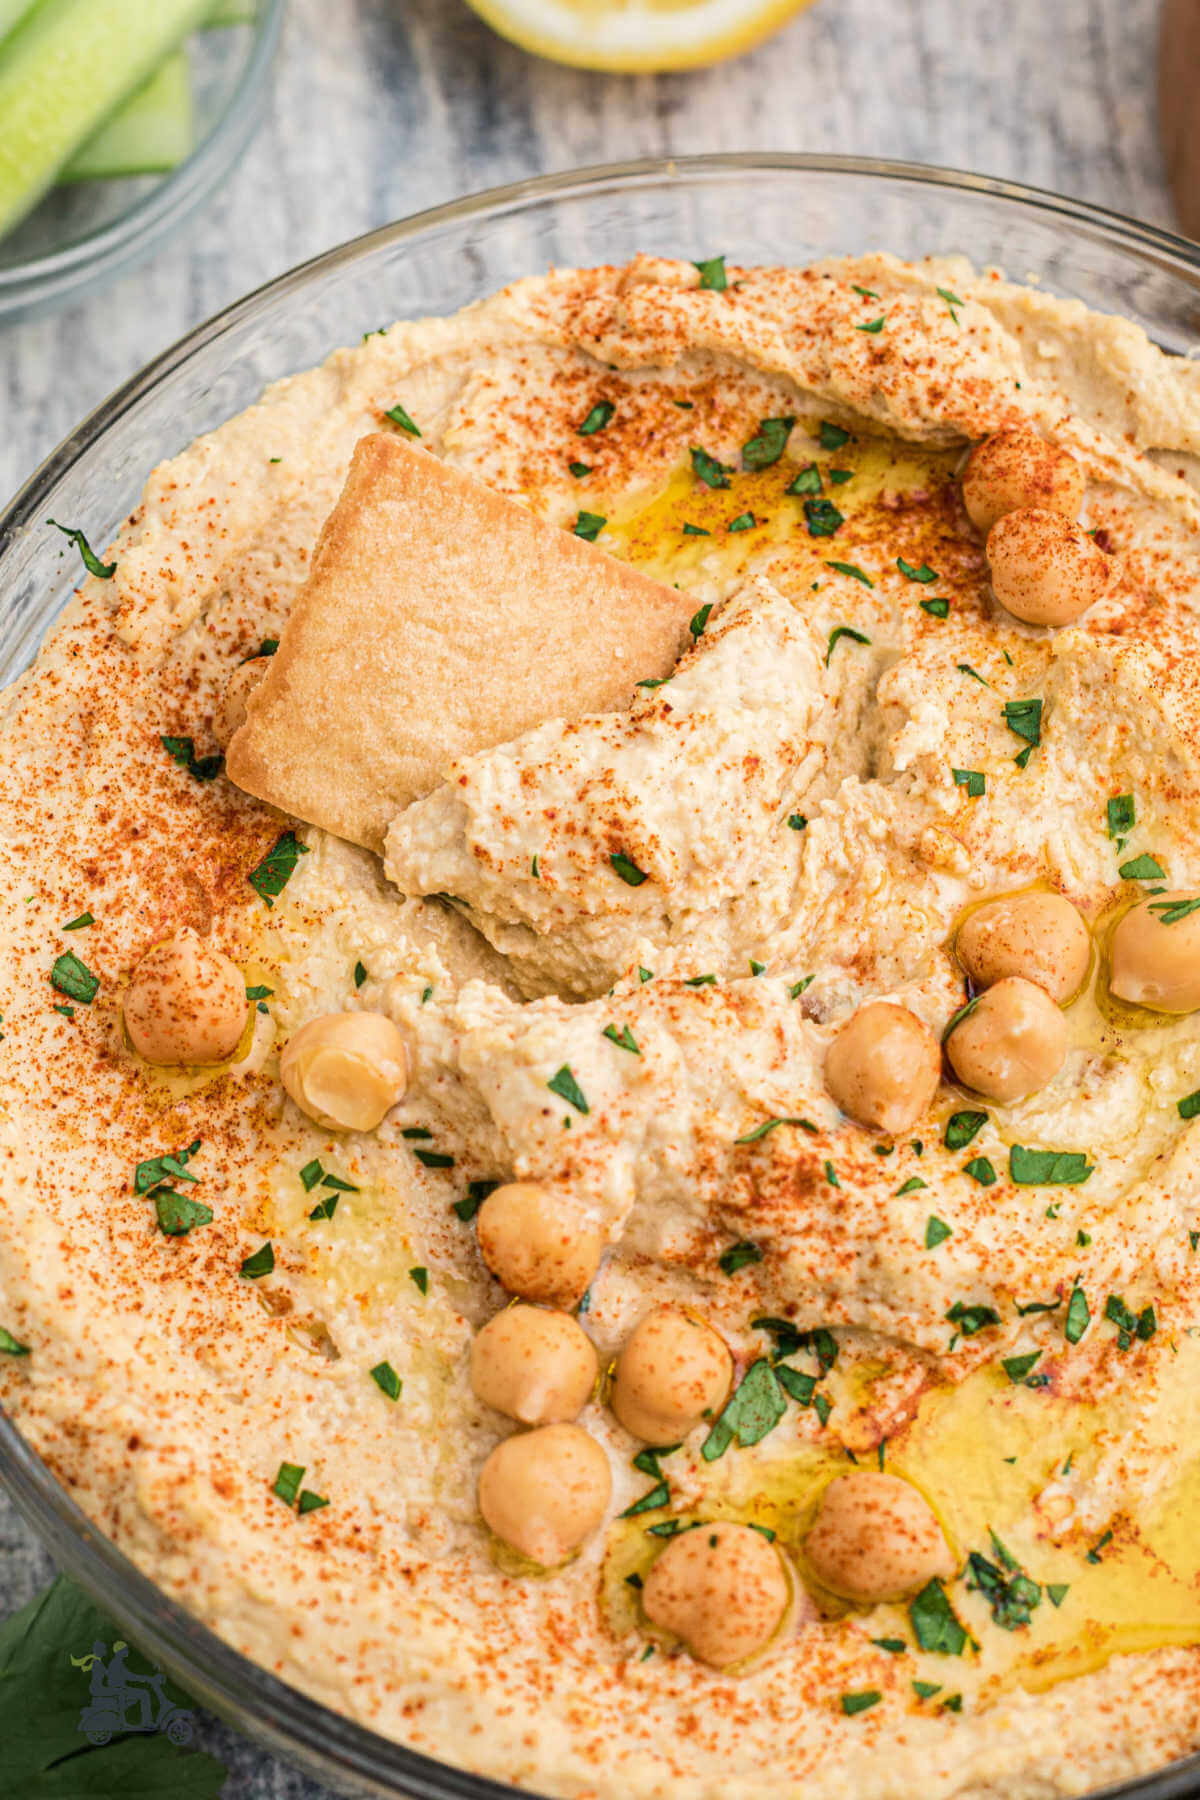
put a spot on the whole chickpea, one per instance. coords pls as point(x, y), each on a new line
point(543, 1492)
point(875, 1538)
point(534, 1247)
point(229, 715)
point(186, 1003)
point(723, 1590)
point(1038, 936)
point(674, 1372)
point(883, 1067)
point(1012, 1043)
point(1045, 569)
point(345, 1070)
point(538, 1367)
point(1015, 468)
point(1155, 956)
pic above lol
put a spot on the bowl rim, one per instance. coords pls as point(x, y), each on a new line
point(286, 1720)
point(171, 198)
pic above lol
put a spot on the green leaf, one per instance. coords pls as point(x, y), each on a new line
point(477, 1192)
point(894, 1646)
point(768, 443)
point(1018, 1367)
point(855, 574)
point(712, 274)
point(961, 1127)
point(867, 293)
point(843, 631)
point(627, 870)
point(866, 1697)
point(739, 1256)
point(832, 436)
point(657, 1497)
point(910, 1186)
point(707, 469)
point(925, 1690)
point(310, 1174)
point(1171, 911)
point(46, 1651)
point(924, 574)
point(310, 1502)
point(360, 973)
point(564, 1084)
point(1024, 719)
point(768, 1125)
point(181, 750)
point(91, 562)
point(589, 525)
point(744, 522)
point(971, 1319)
point(937, 609)
point(11, 1346)
point(1048, 1168)
point(1142, 868)
point(808, 481)
point(262, 1262)
point(823, 518)
point(934, 1621)
point(324, 1209)
point(873, 326)
point(177, 1214)
point(1078, 1315)
point(936, 1231)
point(580, 469)
point(981, 1168)
point(966, 669)
point(420, 1279)
point(795, 1382)
point(838, 476)
point(74, 978)
point(972, 779)
point(1122, 815)
point(400, 417)
point(597, 419)
point(699, 620)
point(1189, 1106)
point(387, 1380)
point(80, 923)
point(1057, 1591)
point(277, 867)
point(623, 1039)
point(796, 821)
point(753, 1409)
point(1009, 1592)
point(287, 1482)
point(157, 1170)
point(688, 531)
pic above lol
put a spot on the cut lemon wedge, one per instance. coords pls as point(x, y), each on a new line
point(636, 35)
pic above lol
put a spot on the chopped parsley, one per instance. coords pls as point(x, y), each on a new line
point(74, 978)
point(11, 1346)
point(937, 609)
point(971, 1319)
point(1024, 720)
point(952, 300)
point(1048, 1168)
point(796, 821)
point(966, 669)
point(564, 1084)
point(844, 631)
point(277, 867)
point(85, 919)
point(873, 326)
point(627, 870)
point(91, 562)
point(696, 531)
point(925, 1690)
point(1122, 816)
point(1171, 911)
point(823, 518)
point(1008, 1590)
point(434, 1159)
point(287, 1482)
point(961, 1127)
point(177, 1214)
point(867, 293)
point(597, 419)
point(420, 1279)
point(973, 780)
point(744, 522)
point(623, 1039)
point(1129, 1324)
point(753, 1409)
point(589, 525)
point(325, 1208)
point(855, 574)
point(580, 469)
point(935, 1624)
point(262, 1262)
point(832, 436)
point(1141, 868)
point(768, 443)
point(477, 1192)
point(712, 274)
point(182, 751)
point(1057, 1591)
point(739, 1256)
point(936, 1230)
point(866, 1697)
point(1018, 1367)
point(157, 1170)
point(981, 1168)
point(913, 1183)
point(399, 416)
point(893, 1646)
point(924, 574)
point(658, 1496)
point(707, 469)
point(1078, 1315)
point(1189, 1106)
point(1093, 1555)
point(699, 620)
point(760, 1131)
point(387, 1380)
point(831, 1175)
point(808, 481)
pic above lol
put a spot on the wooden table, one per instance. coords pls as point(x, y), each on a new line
point(381, 107)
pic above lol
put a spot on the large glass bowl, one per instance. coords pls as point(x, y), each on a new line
point(753, 208)
point(86, 233)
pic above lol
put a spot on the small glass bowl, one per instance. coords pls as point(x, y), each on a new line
point(84, 233)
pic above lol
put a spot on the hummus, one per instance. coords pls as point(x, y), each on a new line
point(613, 954)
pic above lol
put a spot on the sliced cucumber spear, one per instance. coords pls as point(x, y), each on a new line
point(153, 131)
point(66, 67)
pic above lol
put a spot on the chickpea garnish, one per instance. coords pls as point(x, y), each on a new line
point(1155, 955)
point(875, 1538)
point(673, 1373)
point(883, 1066)
point(1038, 936)
point(1045, 569)
point(229, 715)
point(543, 1492)
point(1011, 1043)
point(534, 1247)
point(186, 1003)
point(722, 1589)
point(1015, 468)
point(538, 1367)
point(345, 1070)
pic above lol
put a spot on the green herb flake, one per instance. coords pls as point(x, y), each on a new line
point(310, 1502)
point(564, 1084)
point(1010, 1593)
point(1189, 1106)
point(924, 574)
point(843, 631)
point(699, 620)
point(860, 1702)
point(627, 869)
point(74, 978)
point(262, 1262)
point(310, 1174)
point(935, 1624)
point(11, 1346)
point(1078, 1315)
point(739, 1256)
point(688, 531)
point(832, 436)
point(434, 1159)
point(867, 293)
point(477, 1192)
point(937, 609)
point(1093, 1555)
point(744, 522)
point(1122, 815)
point(580, 469)
point(808, 481)
point(913, 1183)
point(966, 669)
point(707, 469)
point(1024, 719)
point(1172, 911)
point(287, 1483)
point(277, 867)
point(753, 1409)
point(91, 562)
point(420, 1279)
point(796, 821)
point(657, 1497)
point(925, 1690)
point(80, 924)
point(823, 518)
point(1057, 1591)
point(597, 419)
point(1142, 868)
point(712, 274)
point(1018, 1367)
point(961, 1127)
point(873, 326)
point(768, 443)
point(952, 300)
point(623, 1039)
point(893, 1646)
point(972, 1319)
point(855, 574)
point(1048, 1168)
point(399, 416)
point(589, 525)
point(768, 1125)
point(831, 1175)
point(981, 1169)
point(936, 1231)
point(972, 779)
point(177, 1214)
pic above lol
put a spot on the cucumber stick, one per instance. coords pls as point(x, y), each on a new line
point(152, 132)
point(69, 65)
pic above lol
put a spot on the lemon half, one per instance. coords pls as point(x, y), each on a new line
point(636, 35)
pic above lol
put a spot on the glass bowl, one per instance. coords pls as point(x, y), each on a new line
point(753, 208)
point(84, 233)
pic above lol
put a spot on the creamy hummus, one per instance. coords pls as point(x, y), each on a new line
point(617, 951)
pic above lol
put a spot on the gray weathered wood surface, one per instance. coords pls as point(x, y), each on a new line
point(381, 107)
